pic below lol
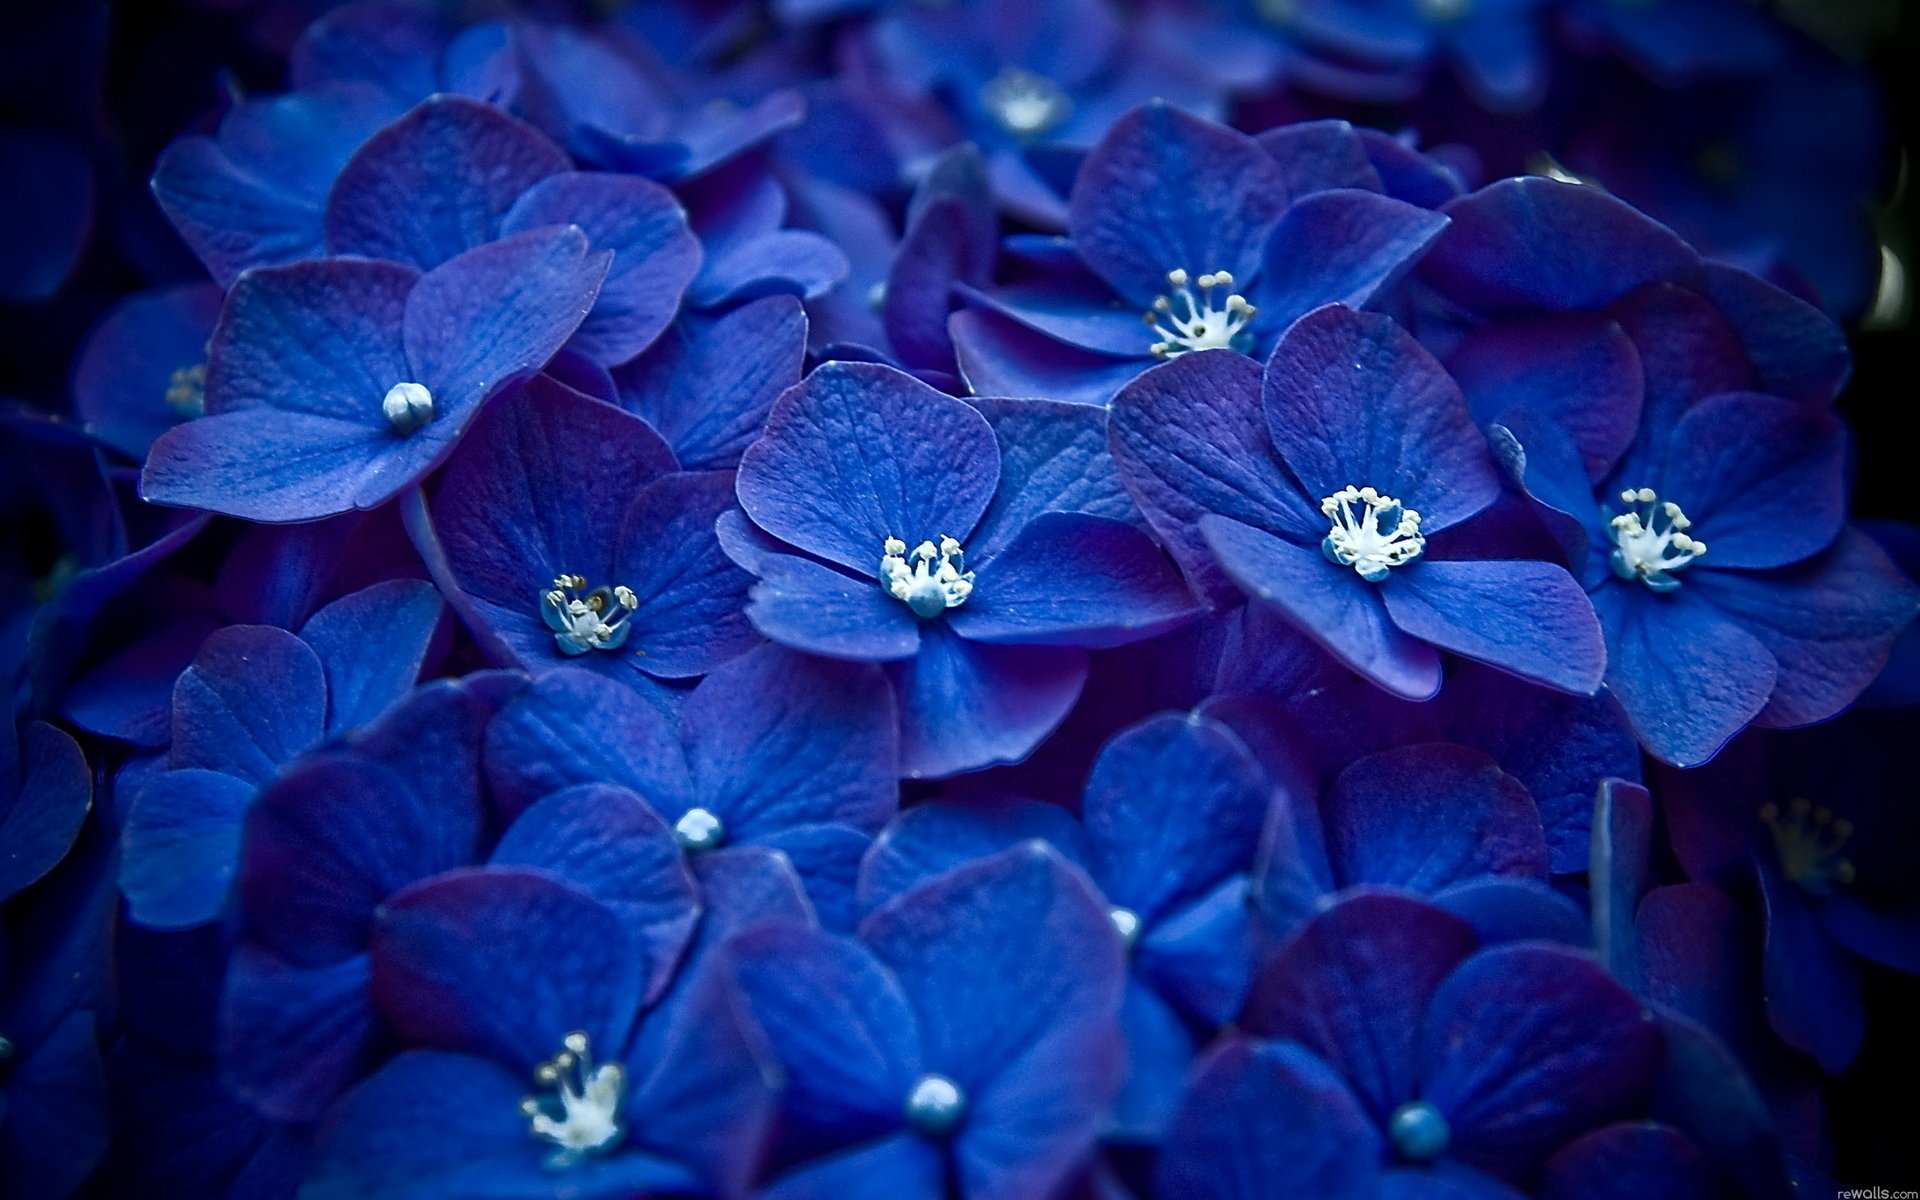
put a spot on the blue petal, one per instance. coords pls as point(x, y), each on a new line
point(999, 356)
point(1763, 478)
point(708, 387)
point(1576, 371)
point(655, 255)
point(1073, 579)
point(1166, 190)
point(436, 182)
point(1638, 1161)
point(1160, 1050)
point(861, 453)
point(827, 858)
point(965, 705)
point(504, 962)
point(181, 846)
point(1351, 985)
point(1335, 607)
point(1175, 804)
point(1425, 817)
point(372, 645)
point(1201, 957)
point(254, 698)
point(839, 1024)
point(930, 839)
point(604, 841)
point(1037, 1049)
point(1190, 438)
point(43, 816)
point(801, 603)
point(124, 373)
point(56, 1113)
point(1053, 458)
point(692, 597)
point(903, 1167)
point(777, 740)
point(1268, 1119)
point(535, 745)
point(294, 1037)
point(1339, 247)
point(1352, 400)
point(1812, 989)
point(1530, 619)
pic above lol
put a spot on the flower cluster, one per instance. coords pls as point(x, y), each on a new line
point(983, 600)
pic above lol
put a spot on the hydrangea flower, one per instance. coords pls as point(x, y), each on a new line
point(1169, 823)
point(773, 749)
point(890, 526)
point(1205, 231)
point(970, 1032)
point(574, 541)
point(254, 699)
point(335, 384)
point(144, 367)
point(1314, 486)
point(1391, 1052)
point(1498, 47)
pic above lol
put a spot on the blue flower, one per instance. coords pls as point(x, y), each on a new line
point(1497, 46)
point(970, 1032)
point(907, 536)
point(1314, 487)
point(1170, 820)
point(254, 699)
point(1388, 1050)
point(773, 750)
point(1220, 243)
point(338, 383)
point(453, 174)
point(574, 541)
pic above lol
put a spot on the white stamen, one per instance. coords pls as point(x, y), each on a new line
point(1126, 923)
point(595, 620)
point(936, 580)
point(1188, 321)
point(1651, 544)
point(935, 1105)
point(1385, 534)
point(1024, 104)
point(589, 1101)
point(698, 830)
point(187, 390)
point(408, 406)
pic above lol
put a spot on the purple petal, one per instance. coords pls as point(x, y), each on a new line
point(692, 598)
point(1576, 371)
point(1530, 619)
point(1638, 1161)
point(1353, 401)
point(903, 1167)
point(932, 838)
point(534, 746)
point(123, 378)
point(254, 698)
point(1813, 992)
point(1797, 350)
point(294, 1037)
point(861, 453)
point(708, 388)
point(1763, 478)
point(966, 705)
point(372, 644)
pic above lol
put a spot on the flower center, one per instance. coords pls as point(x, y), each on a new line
point(1652, 543)
point(187, 390)
point(935, 1105)
point(1808, 842)
point(1441, 12)
point(930, 581)
point(1418, 1131)
point(1126, 923)
point(407, 407)
point(584, 620)
point(582, 1116)
point(1371, 533)
point(1024, 104)
point(699, 830)
point(1214, 318)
